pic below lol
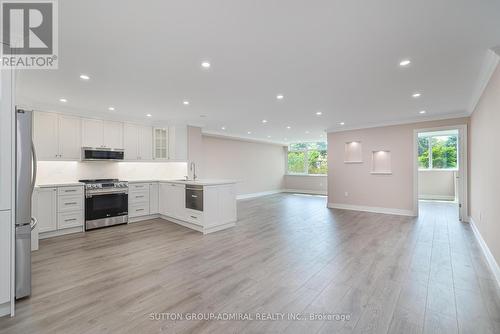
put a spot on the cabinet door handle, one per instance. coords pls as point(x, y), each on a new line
point(139, 210)
point(139, 196)
point(194, 217)
point(71, 203)
point(70, 191)
point(70, 219)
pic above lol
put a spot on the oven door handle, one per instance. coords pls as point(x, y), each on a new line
point(106, 193)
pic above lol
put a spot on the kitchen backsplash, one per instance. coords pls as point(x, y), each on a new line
point(71, 171)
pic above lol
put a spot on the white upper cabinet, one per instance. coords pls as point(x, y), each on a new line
point(146, 143)
point(138, 142)
point(113, 134)
point(92, 133)
point(70, 146)
point(61, 137)
point(177, 142)
point(56, 137)
point(45, 133)
point(131, 141)
point(105, 134)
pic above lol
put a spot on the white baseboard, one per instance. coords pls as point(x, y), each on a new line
point(437, 197)
point(141, 218)
point(301, 191)
point(259, 194)
point(374, 209)
point(486, 251)
point(272, 192)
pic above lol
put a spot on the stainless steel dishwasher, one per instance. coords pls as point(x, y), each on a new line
point(194, 197)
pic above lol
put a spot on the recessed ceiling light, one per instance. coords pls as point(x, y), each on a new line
point(249, 132)
point(285, 139)
point(288, 127)
point(404, 63)
point(341, 123)
point(63, 100)
point(422, 112)
point(264, 121)
point(280, 96)
point(319, 113)
point(203, 116)
point(268, 136)
point(185, 102)
point(84, 77)
point(111, 108)
point(205, 64)
point(416, 95)
point(307, 132)
point(149, 115)
point(223, 128)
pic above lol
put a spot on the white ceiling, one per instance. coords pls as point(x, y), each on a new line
point(337, 57)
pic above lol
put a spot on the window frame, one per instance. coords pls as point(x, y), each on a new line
point(306, 160)
point(429, 147)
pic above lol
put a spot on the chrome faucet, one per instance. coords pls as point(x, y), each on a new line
point(192, 167)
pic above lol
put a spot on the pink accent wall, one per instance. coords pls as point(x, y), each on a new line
point(394, 191)
point(484, 167)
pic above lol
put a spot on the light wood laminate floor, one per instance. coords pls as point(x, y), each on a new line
point(288, 253)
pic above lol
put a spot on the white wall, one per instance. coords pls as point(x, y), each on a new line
point(436, 185)
point(316, 184)
point(394, 192)
point(484, 157)
point(259, 167)
point(71, 171)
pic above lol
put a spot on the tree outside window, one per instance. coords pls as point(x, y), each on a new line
point(438, 152)
point(307, 158)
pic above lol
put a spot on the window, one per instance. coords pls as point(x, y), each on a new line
point(437, 151)
point(307, 158)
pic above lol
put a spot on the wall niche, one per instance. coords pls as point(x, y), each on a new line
point(353, 153)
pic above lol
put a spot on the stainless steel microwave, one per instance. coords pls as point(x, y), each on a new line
point(102, 154)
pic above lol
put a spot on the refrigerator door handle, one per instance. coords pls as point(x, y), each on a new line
point(33, 223)
point(35, 167)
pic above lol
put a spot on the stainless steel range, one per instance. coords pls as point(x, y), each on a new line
point(106, 203)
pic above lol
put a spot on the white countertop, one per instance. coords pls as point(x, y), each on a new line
point(201, 182)
point(59, 184)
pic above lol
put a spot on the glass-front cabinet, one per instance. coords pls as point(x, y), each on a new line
point(161, 143)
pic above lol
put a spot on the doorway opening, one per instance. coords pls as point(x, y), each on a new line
point(440, 166)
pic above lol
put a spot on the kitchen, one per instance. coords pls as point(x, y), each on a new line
point(95, 147)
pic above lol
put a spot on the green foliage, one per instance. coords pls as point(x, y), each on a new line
point(318, 163)
point(444, 152)
point(316, 154)
point(296, 162)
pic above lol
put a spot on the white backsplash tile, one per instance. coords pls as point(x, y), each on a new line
point(71, 171)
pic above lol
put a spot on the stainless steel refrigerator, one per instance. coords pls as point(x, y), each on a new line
point(25, 184)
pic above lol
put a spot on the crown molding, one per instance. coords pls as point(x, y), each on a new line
point(490, 63)
point(239, 138)
point(413, 120)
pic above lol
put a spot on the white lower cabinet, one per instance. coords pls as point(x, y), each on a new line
point(172, 200)
point(143, 199)
point(57, 209)
point(153, 198)
point(219, 206)
point(45, 209)
point(5, 255)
